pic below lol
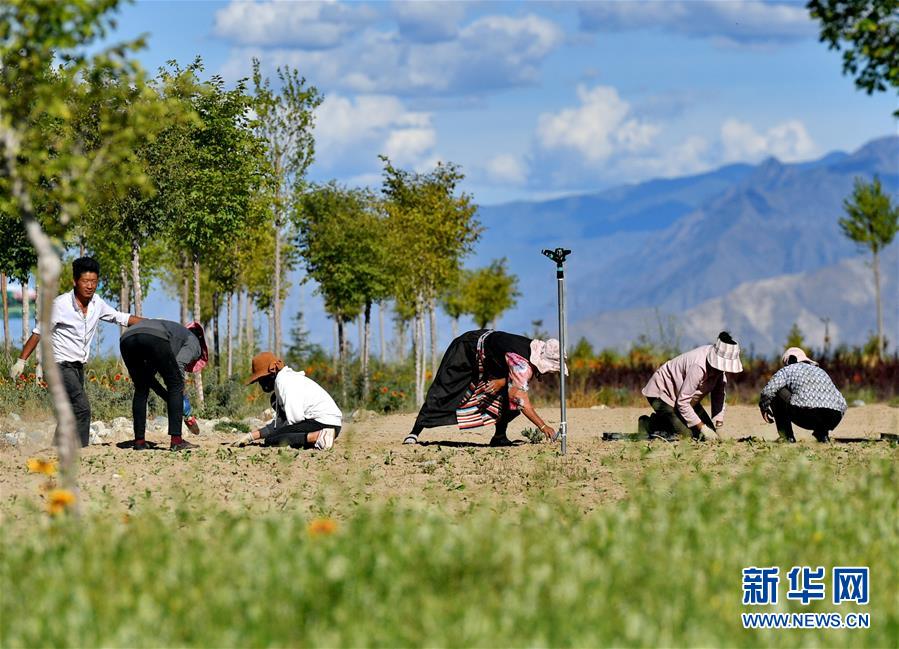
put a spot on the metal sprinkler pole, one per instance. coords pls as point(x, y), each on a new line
point(558, 255)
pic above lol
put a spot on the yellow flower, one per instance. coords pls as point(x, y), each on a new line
point(321, 527)
point(37, 465)
point(58, 500)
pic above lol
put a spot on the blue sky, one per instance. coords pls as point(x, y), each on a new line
point(531, 99)
point(537, 99)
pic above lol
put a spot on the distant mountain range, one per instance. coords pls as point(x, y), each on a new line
point(749, 248)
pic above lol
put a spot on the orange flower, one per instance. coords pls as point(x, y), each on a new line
point(117, 377)
point(58, 500)
point(37, 465)
point(321, 527)
point(384, 389)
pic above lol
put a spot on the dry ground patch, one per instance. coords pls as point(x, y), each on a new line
point(450, 470)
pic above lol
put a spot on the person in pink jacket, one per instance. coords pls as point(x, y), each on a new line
point(676, 389)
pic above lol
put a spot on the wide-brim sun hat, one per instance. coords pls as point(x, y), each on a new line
point(546, 355)
point(724, 355)
point(197, 329)
point(798, 354)
point(264, 363)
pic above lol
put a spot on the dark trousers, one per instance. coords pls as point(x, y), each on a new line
point(146, 356)
point(668, 420)
point(818, 420)
point(294, 435)
point(73, 380)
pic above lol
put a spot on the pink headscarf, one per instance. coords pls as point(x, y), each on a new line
point(197, 329)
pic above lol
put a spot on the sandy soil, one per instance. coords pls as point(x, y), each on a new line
point(449, 469)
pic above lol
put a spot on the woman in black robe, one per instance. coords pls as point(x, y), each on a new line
point(483, 380)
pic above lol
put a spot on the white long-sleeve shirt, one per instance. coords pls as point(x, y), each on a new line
point(299, 398)
point(72, 331)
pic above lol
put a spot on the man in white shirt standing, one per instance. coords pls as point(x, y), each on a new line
point(73, 326)
point(305, 414)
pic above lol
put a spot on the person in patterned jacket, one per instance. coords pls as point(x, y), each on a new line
point(801, 393)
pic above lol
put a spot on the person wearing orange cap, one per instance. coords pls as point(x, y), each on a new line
point(802, 393)
point(305, 414)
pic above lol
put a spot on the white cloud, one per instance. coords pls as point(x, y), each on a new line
point(489, 54)
point(506, 168)
point(732, 21)
point(407, 145)
point(310, 25)
point(601, 126)
point(788, 142)
point(346, 126)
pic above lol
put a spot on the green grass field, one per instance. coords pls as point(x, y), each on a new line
point(661, 567)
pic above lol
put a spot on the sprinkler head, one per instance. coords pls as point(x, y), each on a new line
point(558, 255)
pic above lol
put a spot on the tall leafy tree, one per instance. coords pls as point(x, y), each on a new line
point(340, 240)
point(284, 121)
point(490, 292)
point(871, 221)
point(216, 157)
point(431, 227)
point(868, 32)
point(49, 73)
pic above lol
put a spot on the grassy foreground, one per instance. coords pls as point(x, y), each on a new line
point(660, 568)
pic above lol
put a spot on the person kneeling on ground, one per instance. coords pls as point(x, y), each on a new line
point(483, 380)
point(169, 349)
point(677, 388)
point(305, 414)
point(802, 393)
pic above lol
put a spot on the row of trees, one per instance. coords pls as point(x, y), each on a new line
point(203, 186)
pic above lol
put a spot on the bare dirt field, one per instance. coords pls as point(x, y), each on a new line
point(450, 469)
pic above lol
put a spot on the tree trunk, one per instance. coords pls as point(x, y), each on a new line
point(401, 340)
point(419, 338)
point(39, 357)
point(432, 312)
point(341, 346)
point(239, 323)
point(276, 298)
point(26, 311)
point(382, 350)
point(335, 356)
point(135, 277)
point(366, 337)
point(228, 333)
point(198, 376)
point(49, 267)
point(455, 327)
point(360, 326)
point(185, 288)
point(270, 315)
point(251, 330)
point(5, 298)
point(124, 292)
point(216, 347)
point(879, 303)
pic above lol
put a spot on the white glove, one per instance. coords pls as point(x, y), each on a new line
point(17, 368)
point(718, 423)
point(243, 441)
point(708, 435)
